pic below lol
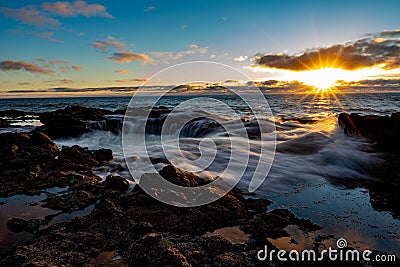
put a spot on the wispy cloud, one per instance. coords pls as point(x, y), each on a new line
point(60, 81)
point(43, 16)
point(24, 83)
point(129, 57)
point(129, 89)
point(76, 8)
point(374, 49)
point(166, 57)
point(122, 71)
point(77, 68)
point(46, 35)
point(49, 36)
point(131, 80)
point(150, 8)
point(57, 61)
point(9, 65)
point(29, 15)
point(109, 42)
point(240, 58)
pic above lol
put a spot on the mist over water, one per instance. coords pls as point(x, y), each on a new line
point(311, 152)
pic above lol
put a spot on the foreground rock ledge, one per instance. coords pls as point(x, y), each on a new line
point(133, 227)
point(145, 232)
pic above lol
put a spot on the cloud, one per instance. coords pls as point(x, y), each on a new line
point(62, 81)
point(240, 58)
point(46, 36)
point(24, 83)
point(193, 49)
point(109, 42)
point(122, 71)
point(149, 8)
point(129, 57)
point(77, 90)
point(66, 9)
point(57, 61)
point(131, 80)
point(193, 46)
point(10, 65)
point(29, 15)
point(395, 83)
point(42, 16)
point(365, 52)
point(99, 45)
point(77, 68)
point(63, 68)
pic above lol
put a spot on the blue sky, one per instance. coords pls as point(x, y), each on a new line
point(91, 40)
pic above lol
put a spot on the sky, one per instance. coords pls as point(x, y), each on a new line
point(58, 47)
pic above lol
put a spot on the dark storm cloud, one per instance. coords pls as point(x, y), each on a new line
point(373, 49)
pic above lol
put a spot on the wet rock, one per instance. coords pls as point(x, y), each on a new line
point(81, 158)
point(384, 130)
point(102, 155)
point(71, 121)
point(70, 202)
point(272, 224)
point(31, 162)
point(143, 228)
point(146, 232)
point(116, 182)
point(17, 225)
point(113, 125)
point(182, 178)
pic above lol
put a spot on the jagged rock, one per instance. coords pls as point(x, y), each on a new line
point(69, 202)
point(32, 161)
point(71, 121)
point(384, 130)
point(17, 225)
point(116, 182)
point(182, 178)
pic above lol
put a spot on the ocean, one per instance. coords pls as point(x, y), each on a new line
point(312, 154)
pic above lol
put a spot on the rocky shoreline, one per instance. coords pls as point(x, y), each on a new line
point(128, 227)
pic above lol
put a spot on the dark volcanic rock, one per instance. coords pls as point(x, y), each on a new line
point(71, 121)
point(81, 158)
point(72, 201)
point(17, 225)
point(116, 182)
point(76, 120)
point(146, 232)
point(179, 177)
point(384, 130)
point(31, 162)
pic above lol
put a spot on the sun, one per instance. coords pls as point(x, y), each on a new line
point(323, 79)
